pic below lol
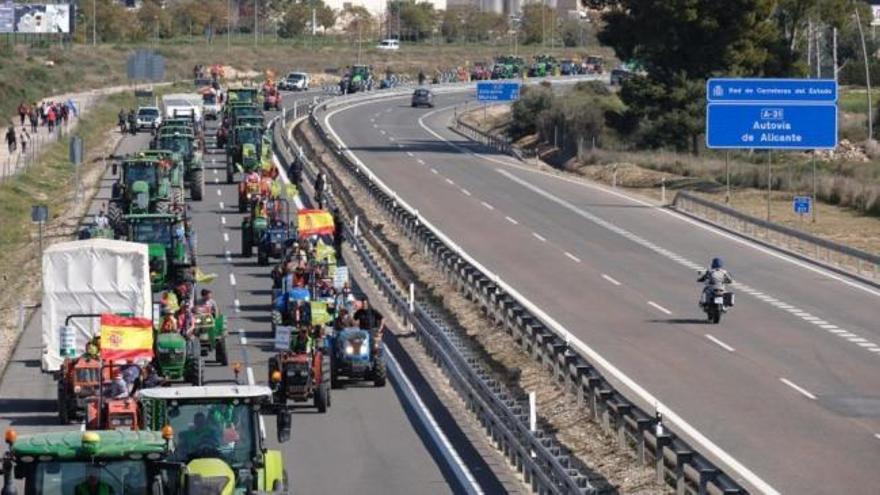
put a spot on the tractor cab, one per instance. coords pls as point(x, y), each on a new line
point(169, 252)
point(248, 142)
point(145, 185)
point(103, 461)
point(219, 435)
point(243, 95)
point(112, 414)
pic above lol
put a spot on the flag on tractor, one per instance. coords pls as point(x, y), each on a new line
point(126, 338)
point(314, 222)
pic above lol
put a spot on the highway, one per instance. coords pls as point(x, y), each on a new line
point(787, 383)
point(368, 442)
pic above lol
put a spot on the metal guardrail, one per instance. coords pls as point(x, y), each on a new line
point(500, 143)
point(835, 255)
point(677, 464)
point(545, 465)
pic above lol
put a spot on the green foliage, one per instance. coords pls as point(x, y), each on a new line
point(298, 16)
point(536, 22)
point(468, 23)
point(416, 19)
point(532, 102)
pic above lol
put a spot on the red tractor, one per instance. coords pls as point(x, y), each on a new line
point(300, 375)
point(79, 379)
point(112, 414)
point(481, 72)
point(271, 98)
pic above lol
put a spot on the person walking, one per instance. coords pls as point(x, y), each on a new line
point(34, 118)
point(320, 185)
point(10, 139)
point(22, 112)
point(51, 116)
point(23, 139)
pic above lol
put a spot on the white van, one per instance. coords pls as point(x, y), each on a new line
point(388, 45)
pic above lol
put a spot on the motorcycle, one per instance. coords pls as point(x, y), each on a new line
point(715, 302)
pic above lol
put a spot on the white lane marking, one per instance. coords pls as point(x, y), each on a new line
point(215, 170)
point(877, 435)
point(217, 181)
point(667, 211)
point(222, 205)
point(606, 277)
point(449, 181)
point(391, 138)
point(800, 390)
point(487, 205)
point(434, 426)
point(829, 326)
point(223, 220)
point(434, 171)
point(219, 192)
point(242, 337)
point(250, 375)
point(409, 154)
point(511, 220)
point(231, 279)
point(627, 382)
point(225, 237)
point(228, 256)
point(653, 247)
point(573, 257)
point(721, 344)
point(382, 131)
point(236, 306)
point(465, 192)
point(420, 161)
point(661, 308)
point(539, 237)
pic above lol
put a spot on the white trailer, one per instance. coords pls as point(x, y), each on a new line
point(89, 277)
point(183, 105)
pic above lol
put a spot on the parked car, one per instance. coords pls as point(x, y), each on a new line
point(148, 118)
point(620, 76)
point(295, 81)
point(388, 45)
point(423, 97)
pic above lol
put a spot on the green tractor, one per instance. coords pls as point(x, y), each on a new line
point(182, 142)
point(219, 435)
point(148, 184)
point(101, 461)
point(360, 78)
point(243, 150)
point(544, 66)
point(179, 358)
point(172, 259)
point(236, 96)
point(211, 330)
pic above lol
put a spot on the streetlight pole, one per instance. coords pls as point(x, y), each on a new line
point(256, 11)
point(228, 24)
point(94, 22)
point(867, 73)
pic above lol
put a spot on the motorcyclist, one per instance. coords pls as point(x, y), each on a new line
point(123, 119)
point(132, 122)
point(714, 278)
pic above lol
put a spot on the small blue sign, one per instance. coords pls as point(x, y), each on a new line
point(803, 205)
point(776, 90)
point(497, 91)
point(778, 126)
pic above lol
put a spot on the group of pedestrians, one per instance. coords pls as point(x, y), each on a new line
point(32, 116)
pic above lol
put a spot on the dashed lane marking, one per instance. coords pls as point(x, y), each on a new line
point(720, 343)
point(487, 205)
point(223, 220)
point(465, 192)
point(799, 389)
point(241, 336)
point(572, 257)
point(225, 237)
point(661, 308)
point(222, 205)
point(539, 237)
point(511, 220)
point(606, 277)
point(449, 181)
point(232, 279)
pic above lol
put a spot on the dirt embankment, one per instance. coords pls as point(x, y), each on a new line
point(616, 470)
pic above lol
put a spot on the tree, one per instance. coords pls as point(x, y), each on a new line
point(298, 16)
point(416, 19)
point(359, 20)
point(468, 23)
point(114, 23)
point(536, 19)
point(154, 21)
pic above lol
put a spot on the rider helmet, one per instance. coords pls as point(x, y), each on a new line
point(717, 263)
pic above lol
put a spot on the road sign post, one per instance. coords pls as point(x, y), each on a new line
point(802, 205)
point(39, 215)
point(771, 114)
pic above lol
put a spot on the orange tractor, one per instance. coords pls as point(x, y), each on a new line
point(112, 414)
point(79, 380)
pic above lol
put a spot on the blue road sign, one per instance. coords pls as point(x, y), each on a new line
point(771, 90)
point(497, 91)
point(802, 205)
point(771, 126)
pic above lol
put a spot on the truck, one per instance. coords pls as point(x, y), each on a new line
point(183, 105)
point(89, 276)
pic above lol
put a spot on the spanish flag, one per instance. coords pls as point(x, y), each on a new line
point(314, 222)
point(126, 338)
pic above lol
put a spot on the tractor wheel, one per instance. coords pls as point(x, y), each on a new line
point(322, 397)
point(63, 411)
point(230, 173)
point(334, 376)
point(163, 206)
point(197, 184)
point(178, 196)
point(220, 354)
point(114, 215)
point(379, 373)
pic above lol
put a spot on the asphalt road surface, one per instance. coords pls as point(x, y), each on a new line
point(786, 384)
point(368, 442)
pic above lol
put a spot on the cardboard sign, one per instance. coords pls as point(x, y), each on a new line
point(282, 338)
point(340, 278)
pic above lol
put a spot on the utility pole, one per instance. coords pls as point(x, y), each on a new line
point(256, 12)
point(314, 21)
point(818, 53)
point(94, 22)
point(228, 24)
point(809, 47)
point(834, 49)
point(867, 73)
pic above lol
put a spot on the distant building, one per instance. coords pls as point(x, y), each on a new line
point(376, 7)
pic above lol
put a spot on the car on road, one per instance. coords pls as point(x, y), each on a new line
point(295, 81)
point(620, 76)
point(422, 97)
point(388, 45)
point(148, 118)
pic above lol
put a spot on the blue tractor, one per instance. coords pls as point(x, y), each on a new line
point(278, 234)
point(357, 356)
